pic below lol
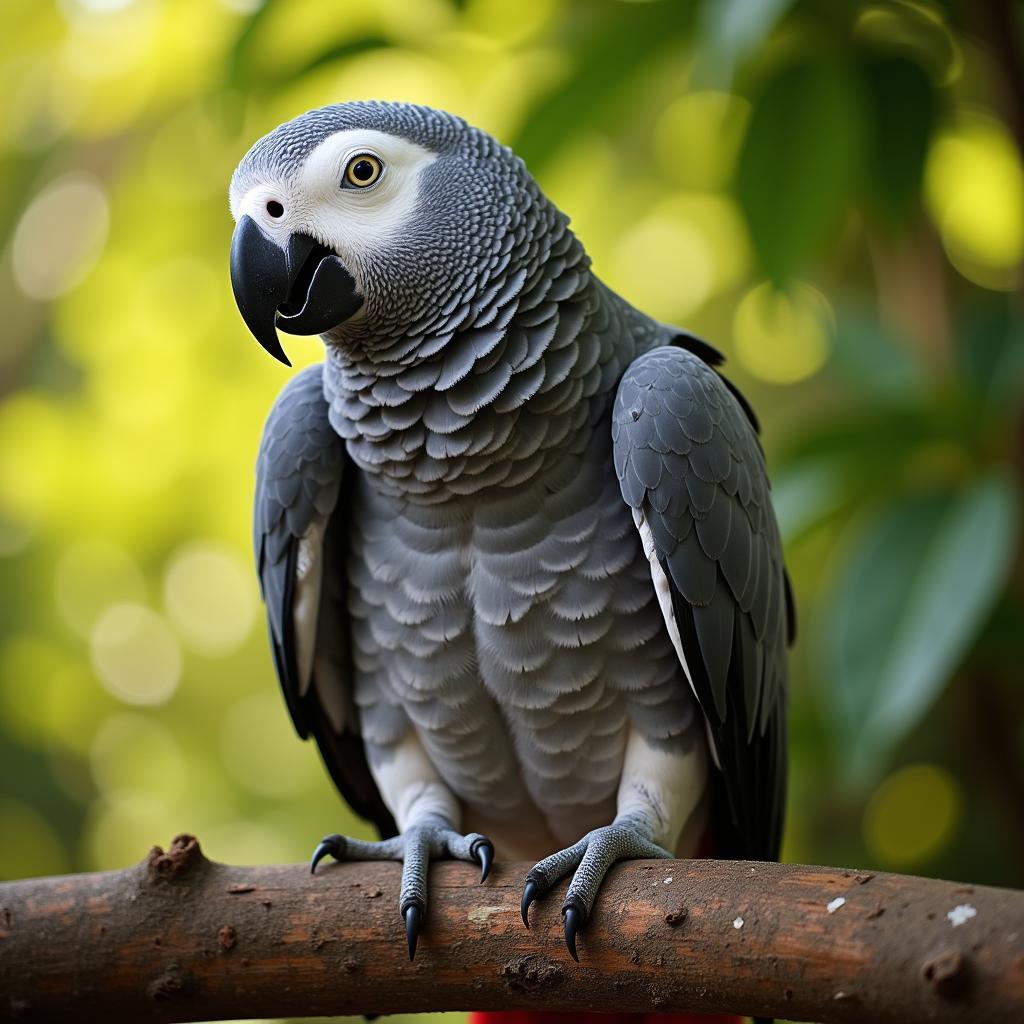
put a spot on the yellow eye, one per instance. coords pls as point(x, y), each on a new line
point(363, 170)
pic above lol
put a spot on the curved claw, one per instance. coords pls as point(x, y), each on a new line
point(530, 893)
point(333, 845)
point(483, 851)
point(574, 921)
point(413, 924)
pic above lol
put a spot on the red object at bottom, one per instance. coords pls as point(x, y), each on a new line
point(544, 1017)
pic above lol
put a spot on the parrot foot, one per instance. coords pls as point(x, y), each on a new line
point(433, 838)
point(626, 838)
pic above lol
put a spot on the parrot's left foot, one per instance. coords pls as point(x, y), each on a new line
point(430, 839)
point(627, 838)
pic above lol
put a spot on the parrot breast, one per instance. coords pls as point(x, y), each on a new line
point(501, 604)
point(519, 636)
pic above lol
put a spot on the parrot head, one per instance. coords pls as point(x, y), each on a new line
point(372, 220)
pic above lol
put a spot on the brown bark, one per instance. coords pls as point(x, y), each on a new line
point(179, 938)
point(999, 25)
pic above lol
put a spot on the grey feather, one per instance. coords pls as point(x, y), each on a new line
point(720, 548)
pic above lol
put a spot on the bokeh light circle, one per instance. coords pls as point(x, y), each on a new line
point(912, 815)
point(60, 236)
point(664, 266)
point(92, 575)
point(783, 336)
point(135, 655)
point(134, 753)
point(210, 597)
point(698, 136)
point(974, 188)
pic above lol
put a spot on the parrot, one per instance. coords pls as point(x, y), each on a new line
point(523, 580)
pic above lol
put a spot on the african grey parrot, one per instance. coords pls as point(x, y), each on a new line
point(523, 579)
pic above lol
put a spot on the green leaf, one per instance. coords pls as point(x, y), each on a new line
point(799, 162)
point(729, 30)
point(245, 73)
point(612, 48)
point(901, 113)
point(916, 590)
point(245, 66)
point(871, 442)
point(872, 361)
point(989, 344)
point(806, 492)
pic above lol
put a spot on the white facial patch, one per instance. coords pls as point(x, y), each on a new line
point(354, 222)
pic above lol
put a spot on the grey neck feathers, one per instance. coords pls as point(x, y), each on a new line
point(499, 386)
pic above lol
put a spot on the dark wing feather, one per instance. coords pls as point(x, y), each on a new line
point(706, 351)
point(302, 480)
point(702, 489)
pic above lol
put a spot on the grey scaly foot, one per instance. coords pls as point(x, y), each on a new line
point(627, 838)
point(432, 838)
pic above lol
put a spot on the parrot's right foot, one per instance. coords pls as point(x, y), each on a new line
point(588, 861)
point(433, 838)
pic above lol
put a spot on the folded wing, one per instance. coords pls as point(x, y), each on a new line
point(691, 468)
point(300, 538)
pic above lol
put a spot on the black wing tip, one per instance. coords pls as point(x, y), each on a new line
point(344, 757)
point(748, 409)
point(698, 346)
point(791, 622)
point(748, 823)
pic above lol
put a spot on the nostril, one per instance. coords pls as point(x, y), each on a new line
point(275, 209)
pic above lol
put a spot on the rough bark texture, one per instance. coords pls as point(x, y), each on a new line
point(179, 938)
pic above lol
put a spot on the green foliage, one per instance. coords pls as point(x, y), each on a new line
point(990, 355)
point(874, 363)
point(800, 161)
point(900, 121)
point(610, 51)
point(919, 582)
point(729, 30)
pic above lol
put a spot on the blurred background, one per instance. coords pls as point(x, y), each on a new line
point(832, 192)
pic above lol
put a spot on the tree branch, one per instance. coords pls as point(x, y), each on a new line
point(181, 938)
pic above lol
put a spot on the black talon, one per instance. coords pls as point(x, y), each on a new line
point(530, 893)
point(574, 921)
point(413, 923)
point(333, 845)
point(483, 851)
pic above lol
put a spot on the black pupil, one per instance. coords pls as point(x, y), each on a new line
point(363, 170)
point(274, 208)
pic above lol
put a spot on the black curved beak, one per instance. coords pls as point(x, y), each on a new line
point(303, 290)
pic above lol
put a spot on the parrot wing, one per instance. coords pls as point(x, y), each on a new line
point(691, 468)
point(300, 538)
